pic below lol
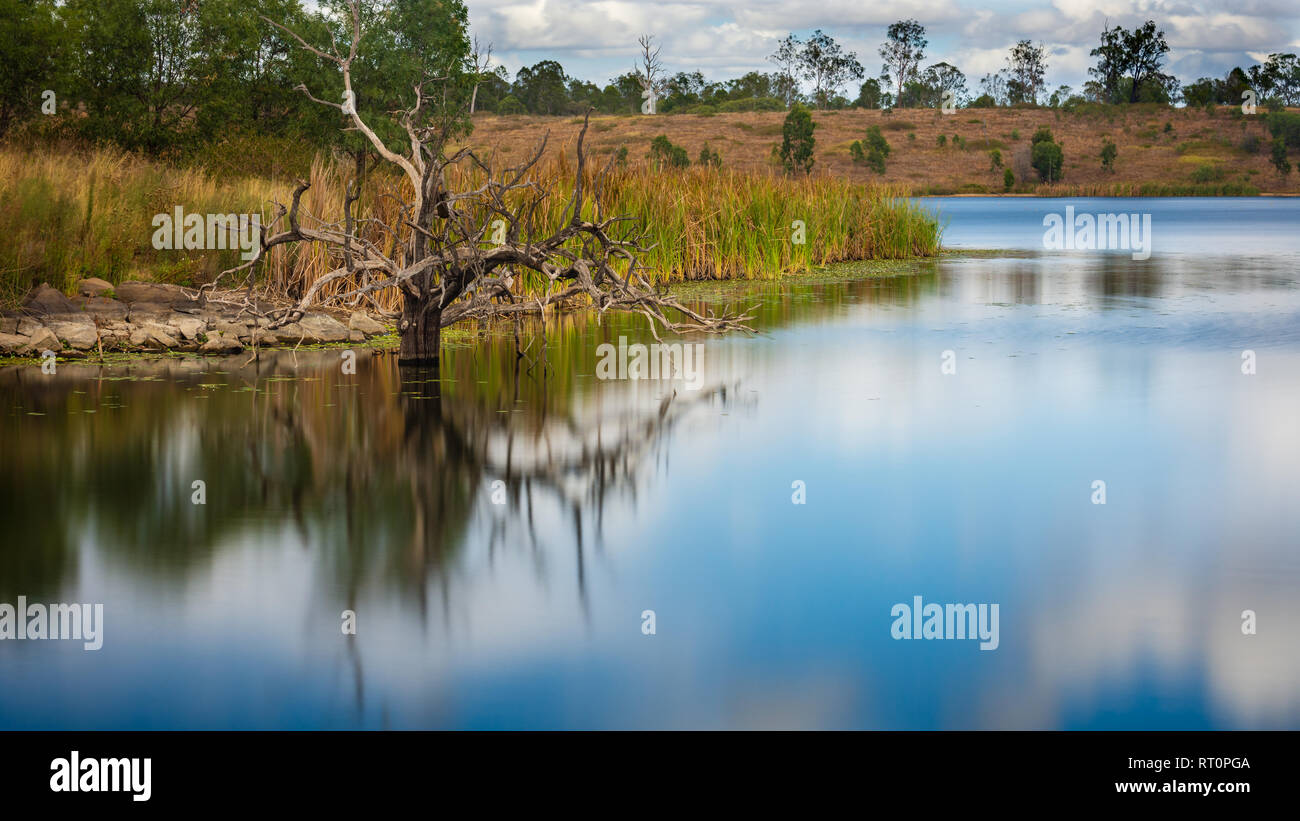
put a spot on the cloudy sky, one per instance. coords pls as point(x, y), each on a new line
point(596, 39)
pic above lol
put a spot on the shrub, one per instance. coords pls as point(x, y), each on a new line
point(709, 158)
point(1108, 154)
point(1042, 135)
point(797, 140)
point(1285, 126)
point(1207, 172)
point(664, 154)
point(751, 104)
point(1048, 160)
point(1015, 133)
point(1280, 162)
point(995, 160)
point(1008, 180)
point(1250, 143)
point(941, 140)
point(876, 141)
point(871, 152)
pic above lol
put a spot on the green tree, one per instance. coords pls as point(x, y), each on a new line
point(666, 155)
point(868, 94)
point(542, 88)
point(1048, 160)
point(902, 53)
point(797, 140)
point(34, 45)
point(1025, 71)
point(827, 66)
point(1134, 56)
point(1108, 154)
point(1280, 162)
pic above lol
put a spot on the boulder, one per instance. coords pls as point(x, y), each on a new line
point(360, 322)
point(322, 328)
point(190, 327)
point(46, 300)
point(12, 344)
point(43, 339)
point(102, 307)
point(94, 286)
point(152, 336)
point(219, 343)
point(27, 326)
point(155, 293)
point(77, 333)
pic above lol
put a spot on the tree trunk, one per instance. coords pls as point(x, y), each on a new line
point(420, 332)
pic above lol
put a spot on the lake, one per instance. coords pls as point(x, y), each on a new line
point(498, 529)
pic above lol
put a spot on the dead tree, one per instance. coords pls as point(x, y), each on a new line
point(444, 266)
point(649, 72)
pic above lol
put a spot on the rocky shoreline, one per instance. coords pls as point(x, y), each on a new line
point(156, 317)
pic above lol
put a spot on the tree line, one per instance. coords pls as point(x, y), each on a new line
point(167, 75)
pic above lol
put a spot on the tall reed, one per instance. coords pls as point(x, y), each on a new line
point(71, 214)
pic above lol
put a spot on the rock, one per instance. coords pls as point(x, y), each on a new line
point(94, 286)
point(232, 329)
point(360, 322)
point(12, 344)
point(46, 300)
point(219, 343)
point(155, 293)
point(9, 324)
point(27, 327)
point(78, 334)
point(43, 339)
point(152, 336)
point(356, 336)
point(322, 328)
point(190, 327)
point(101, 307)
point(263, 337)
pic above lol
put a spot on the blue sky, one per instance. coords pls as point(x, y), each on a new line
point(596, 39)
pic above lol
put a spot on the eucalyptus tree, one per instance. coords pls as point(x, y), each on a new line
point(902, 53)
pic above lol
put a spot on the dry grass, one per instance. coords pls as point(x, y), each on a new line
point(69, 214)
point(1149, 157)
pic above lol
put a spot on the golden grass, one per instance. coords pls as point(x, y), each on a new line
point(69, 214)
point(1148, 155)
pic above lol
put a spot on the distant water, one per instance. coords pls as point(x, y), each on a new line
point(1236, 226)
point(374, 493)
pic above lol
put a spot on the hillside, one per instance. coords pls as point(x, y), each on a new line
point(1179, 150)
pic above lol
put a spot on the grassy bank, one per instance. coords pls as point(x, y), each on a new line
point(69, 214)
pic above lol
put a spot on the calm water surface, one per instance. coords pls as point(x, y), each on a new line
point(374, 492)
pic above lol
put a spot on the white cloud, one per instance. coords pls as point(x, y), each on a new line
point(596, 39)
